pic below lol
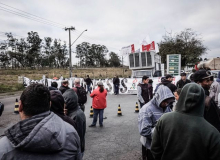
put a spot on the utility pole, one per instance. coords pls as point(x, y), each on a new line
point(70, 59)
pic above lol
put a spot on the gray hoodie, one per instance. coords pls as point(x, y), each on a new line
point(49, 138)
point(151, 112)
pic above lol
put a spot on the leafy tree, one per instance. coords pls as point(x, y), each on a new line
point(91, 55)
point(82, 51)
point(48, 51)
point(187, 43)
point(34, 55)
point(114, 60)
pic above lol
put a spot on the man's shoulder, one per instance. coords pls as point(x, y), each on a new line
point(148, 107)
point(80, 114)
point(5, 146)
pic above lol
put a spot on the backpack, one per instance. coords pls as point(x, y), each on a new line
point(82, 95)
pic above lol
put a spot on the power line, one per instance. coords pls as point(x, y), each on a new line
point(26, 16)
point(31, 14)
point(45, 21)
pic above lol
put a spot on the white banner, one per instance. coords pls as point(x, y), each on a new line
point(127, 85)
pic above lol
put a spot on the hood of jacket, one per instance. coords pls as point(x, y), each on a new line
point(48, 134)
point(71, 100)
point(57, 102)
point(191, 100)
point(162, 93)
point(52, 88)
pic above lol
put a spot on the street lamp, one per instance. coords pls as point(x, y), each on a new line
point(78, 36)
point(70, 59)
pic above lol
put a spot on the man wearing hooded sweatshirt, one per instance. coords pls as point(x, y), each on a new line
point(149, 115)
point(57, 107)
point(75, 113)
point(40, 134)
point(185, 134)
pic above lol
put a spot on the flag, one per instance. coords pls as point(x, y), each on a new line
point(148, 47)
point(132, 48)
point(128, 49)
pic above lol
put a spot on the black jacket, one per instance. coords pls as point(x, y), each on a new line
point(181, 83)
point(116, 81)
point(170, 85)
point(63, 89)
point(88, 81)
point(212, 112)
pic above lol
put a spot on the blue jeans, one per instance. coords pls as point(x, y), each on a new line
point(88, 88)
point(97, 112)
point(116, 88)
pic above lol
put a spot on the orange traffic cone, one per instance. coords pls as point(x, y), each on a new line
point(136, 108)
point(119, 110)
point(16, 107)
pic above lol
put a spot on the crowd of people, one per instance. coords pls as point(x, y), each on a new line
point(180, 121)
point(53, 123)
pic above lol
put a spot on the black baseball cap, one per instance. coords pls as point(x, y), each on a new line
point(201, 74)
point(169, 76)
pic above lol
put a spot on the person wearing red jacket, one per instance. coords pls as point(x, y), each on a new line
point(98, 104)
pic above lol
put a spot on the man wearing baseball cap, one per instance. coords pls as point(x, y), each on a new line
point(212, 112)
point(168, 82)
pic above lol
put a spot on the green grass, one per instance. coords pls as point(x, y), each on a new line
point(11, 88)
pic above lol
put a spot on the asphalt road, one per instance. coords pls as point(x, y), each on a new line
point(117, 140)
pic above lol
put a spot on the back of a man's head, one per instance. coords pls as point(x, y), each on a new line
point(54, 84)
point(35, 99)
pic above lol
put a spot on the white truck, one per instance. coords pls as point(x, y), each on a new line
point(145, 63)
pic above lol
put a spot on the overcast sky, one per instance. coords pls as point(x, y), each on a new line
point(117, 23)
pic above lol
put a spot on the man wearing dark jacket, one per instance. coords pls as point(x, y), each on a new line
point(75, 113)
point(211, 111)
point(57, 107)
point(143, 91)
point(184, 134)
point(183, 81)
point(168, 82)
point(40, 134)
point(64, 86)
point(88, 83)
point(116, 83)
